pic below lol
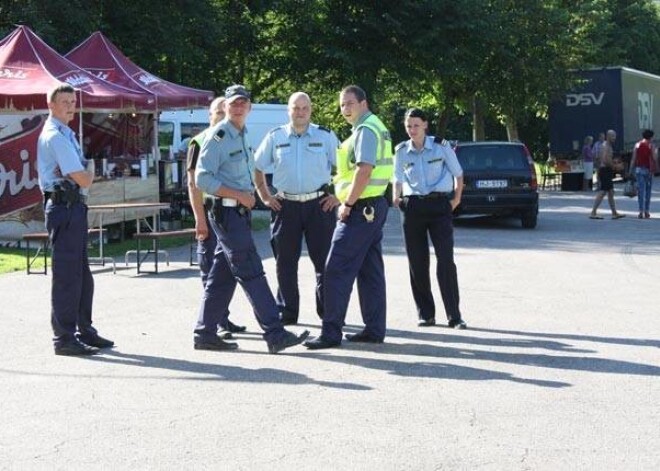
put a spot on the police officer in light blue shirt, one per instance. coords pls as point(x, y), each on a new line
point(224, 173)
point(64, 180)
point(428, 183)
point(301, 156)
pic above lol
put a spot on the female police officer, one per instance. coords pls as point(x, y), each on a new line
point(424, 173)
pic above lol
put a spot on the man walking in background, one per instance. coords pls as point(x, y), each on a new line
point(606, 177)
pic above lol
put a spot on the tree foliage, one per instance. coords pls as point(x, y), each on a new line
point(508, 57)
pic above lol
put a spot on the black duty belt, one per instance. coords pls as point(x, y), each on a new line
point(213, 203)
point(66, 197)
point(433, 195)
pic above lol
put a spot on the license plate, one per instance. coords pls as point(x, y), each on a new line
point(492, 183)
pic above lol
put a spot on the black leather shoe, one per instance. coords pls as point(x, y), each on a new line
point(234, 329)
point(289, 339)
point(320, 343)
point(95, 340)
point(231, 328)
point(426, 322)
point(75, 348)
point(225, 335)
point(362, 337)
point(460, 325)
point(214, 343)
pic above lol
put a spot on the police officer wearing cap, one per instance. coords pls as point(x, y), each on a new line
point(301, 155)
point(64, 179)
point(206, 240)
point(224, 172)
point(364, 169)
point(428, 183)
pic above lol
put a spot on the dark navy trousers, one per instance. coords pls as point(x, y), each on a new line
point(206, 256)
point(288, 227)
point(421, 218)
point(72, 290)
point(205, 252)
point(356, 252)
point(236, 260)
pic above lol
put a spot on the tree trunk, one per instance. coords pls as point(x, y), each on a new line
point(478, 123)
point(511, 128)
point(443, 121)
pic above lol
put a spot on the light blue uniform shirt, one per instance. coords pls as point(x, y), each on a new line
point(300, 164)
point(366, 143)
point(225, 159)
point(431, 169)
point(57, 148)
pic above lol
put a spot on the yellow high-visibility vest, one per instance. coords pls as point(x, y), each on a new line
point(382, 171)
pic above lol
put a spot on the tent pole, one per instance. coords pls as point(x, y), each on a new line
point(80, 123)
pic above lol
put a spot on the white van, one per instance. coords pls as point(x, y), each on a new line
point(175, 126)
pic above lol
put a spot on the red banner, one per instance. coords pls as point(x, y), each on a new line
point(19, 186)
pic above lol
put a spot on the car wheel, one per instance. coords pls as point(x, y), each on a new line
point(529, 219)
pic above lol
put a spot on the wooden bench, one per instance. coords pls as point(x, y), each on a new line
point(44, 245)
point(155, 237)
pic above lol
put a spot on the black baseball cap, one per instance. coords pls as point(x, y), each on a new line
point(235, 92)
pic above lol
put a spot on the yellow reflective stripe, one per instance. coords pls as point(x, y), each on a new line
point(379, 181)
point(382, 141)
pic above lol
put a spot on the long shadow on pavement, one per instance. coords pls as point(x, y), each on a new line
point(581, 338)
point(579, 363)
point(561, 362)
point(431, 370)
point(214, 371)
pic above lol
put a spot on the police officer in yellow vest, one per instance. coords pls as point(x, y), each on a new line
point(364, 169)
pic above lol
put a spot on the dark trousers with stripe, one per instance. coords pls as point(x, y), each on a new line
point(236, 260)
point(289, 225)
point(423, 218)
point(72, 290)
point(356, 252)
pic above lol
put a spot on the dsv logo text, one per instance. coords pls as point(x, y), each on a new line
point(584, 99)
point(645, 110)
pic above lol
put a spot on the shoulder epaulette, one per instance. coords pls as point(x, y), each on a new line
point(400, 145)
point(441, 141)
point(219, 135)
point(274, 130)
point(323, 128)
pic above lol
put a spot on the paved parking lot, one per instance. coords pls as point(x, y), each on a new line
point(560, 368)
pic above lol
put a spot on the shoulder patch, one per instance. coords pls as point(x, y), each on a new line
point(323, 128)
point(219, 135)
point(441, 141)
point(400, 145)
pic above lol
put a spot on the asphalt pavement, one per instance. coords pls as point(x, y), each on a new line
point(559, 369)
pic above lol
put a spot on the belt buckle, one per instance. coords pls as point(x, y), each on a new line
point(229, 202)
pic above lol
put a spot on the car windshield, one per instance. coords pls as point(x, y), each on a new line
point(492, 158)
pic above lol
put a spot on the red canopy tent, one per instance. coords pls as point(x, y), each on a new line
point(29, 68)
point(102, 58)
